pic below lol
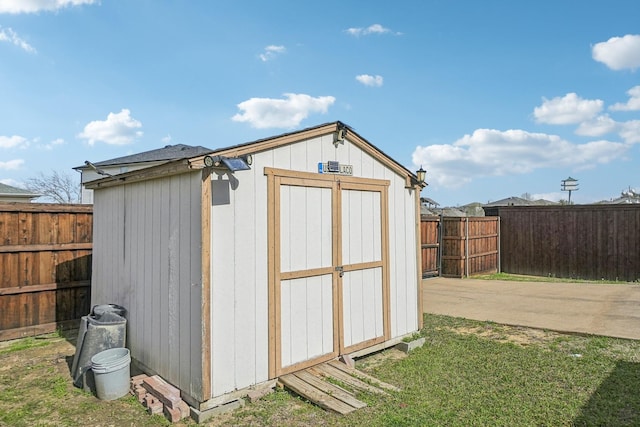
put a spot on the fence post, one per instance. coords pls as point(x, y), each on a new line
point(498, 226)
point(440, 243)
point(466, 247)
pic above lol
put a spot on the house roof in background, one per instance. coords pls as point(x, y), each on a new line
point(8, 190)
point(519, 201)
point(166, 153)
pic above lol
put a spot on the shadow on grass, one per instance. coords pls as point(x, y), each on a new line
point(617, 401)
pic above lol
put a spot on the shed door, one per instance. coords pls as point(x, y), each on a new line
point(328, 272)
point(364, 291)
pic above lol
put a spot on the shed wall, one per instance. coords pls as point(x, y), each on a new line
point(147, 245)
point(239, 285)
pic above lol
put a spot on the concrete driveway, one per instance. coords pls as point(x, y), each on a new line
point(598, 309)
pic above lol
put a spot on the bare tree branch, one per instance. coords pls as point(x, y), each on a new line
point(58, 187)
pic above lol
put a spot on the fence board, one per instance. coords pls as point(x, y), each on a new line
point(45, 267)
point(592, 242)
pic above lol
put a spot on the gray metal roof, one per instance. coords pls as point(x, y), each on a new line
point(519, 201)
point(169, 152)
point(7, 190)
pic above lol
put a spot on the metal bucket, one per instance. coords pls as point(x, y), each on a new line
point(111, 371)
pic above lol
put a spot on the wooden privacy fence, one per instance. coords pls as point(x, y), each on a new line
point(591, 242)
point(45, 267)
point(459, 246)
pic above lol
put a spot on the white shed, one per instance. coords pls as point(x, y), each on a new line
point(233, 278)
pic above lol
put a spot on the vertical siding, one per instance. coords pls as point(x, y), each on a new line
point(147, 237)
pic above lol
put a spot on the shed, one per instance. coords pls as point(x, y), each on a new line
point(260, 259)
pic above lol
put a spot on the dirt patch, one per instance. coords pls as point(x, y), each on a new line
point(374, 360)
point(509, 334)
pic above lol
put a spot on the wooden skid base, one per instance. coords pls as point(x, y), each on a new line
point(312, 384)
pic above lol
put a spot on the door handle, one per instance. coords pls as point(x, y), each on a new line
point(341, 270)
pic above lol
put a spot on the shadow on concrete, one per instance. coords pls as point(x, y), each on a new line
point(617, 401)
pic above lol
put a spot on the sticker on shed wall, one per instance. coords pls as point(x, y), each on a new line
point(335, 167)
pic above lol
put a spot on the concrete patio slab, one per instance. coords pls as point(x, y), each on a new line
point(597, 309)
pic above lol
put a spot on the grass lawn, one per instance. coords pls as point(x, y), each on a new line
point(524, 278)
point(468, 373)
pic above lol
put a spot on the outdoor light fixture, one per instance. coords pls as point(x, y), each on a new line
point(231, 163)
point(421, 174)
point(339, 135)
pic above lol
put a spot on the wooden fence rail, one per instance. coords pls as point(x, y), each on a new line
point(45, 267)
point(459, 246)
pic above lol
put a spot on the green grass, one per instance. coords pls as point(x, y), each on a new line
point(468, 373)
point(23, 344)
point(463, 378)
point(523, 278)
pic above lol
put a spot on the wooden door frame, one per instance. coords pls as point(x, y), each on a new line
point(276, 178)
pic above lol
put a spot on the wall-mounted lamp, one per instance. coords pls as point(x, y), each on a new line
point(421, 174)
point(339, 136)
point(231, 163)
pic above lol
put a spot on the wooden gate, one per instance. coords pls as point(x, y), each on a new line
point(45, 267)
point(459, 246)
point(328, 267)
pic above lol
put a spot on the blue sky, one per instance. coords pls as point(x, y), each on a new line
point(493, 98)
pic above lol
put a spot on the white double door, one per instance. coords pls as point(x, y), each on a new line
point(329, 274)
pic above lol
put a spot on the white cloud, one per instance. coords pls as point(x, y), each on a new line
point(166, 139)
point(368, 80)
point(618, 53)
point(569, 109)
point(50, 146)
point(11, 164)
point(598, 126)
point(489, 152)
point(119, 129)
point(630, 131)
point(10, 36)
point(265, 113)
point(34, 6)
point(371, 29)
point(271, 51)
point(13, 141)
point(632, 104)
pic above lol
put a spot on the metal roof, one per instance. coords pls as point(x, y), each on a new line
point(166, 153)
point(7, 190)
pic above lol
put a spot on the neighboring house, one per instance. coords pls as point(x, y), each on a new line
point(260, 259)
point(15, 194)
point(518, 201)
point(94, 171)
point(431, 208)
point(491, 209)
point(626, 197)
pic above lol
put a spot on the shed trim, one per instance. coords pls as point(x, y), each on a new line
point(337, 183)
point(205, 254)
point(197, 162)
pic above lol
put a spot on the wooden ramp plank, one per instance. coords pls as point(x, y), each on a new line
point(331, 389)
point(361, 375)
point(328, 370)
point(318, 397)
